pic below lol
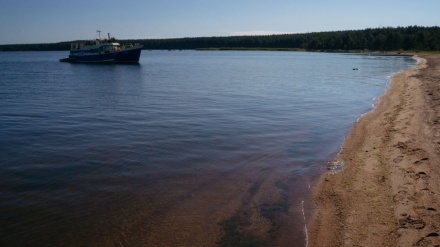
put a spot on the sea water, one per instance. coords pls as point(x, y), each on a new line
point(188, 148)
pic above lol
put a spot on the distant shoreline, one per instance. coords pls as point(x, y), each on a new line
point(410, 38)
point(372, 53)
point(387, 193)
point(375, 53)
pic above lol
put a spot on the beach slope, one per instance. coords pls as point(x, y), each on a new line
point(388, 192)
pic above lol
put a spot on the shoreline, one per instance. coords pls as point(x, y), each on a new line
point(387, 193)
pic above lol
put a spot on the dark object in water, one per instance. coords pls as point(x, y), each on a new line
point(66, 59)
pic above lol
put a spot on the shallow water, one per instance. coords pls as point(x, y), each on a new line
point(187, 148)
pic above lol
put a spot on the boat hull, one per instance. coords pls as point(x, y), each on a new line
point(125, 56)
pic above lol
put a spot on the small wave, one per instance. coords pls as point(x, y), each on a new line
point(305, 224)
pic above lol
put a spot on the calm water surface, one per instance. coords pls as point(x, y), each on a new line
point(185, 149)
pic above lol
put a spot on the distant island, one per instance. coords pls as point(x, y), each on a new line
point(411, 38)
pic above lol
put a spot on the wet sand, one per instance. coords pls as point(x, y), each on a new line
point(388, 191)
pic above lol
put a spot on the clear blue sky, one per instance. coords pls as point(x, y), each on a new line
point(46, 21)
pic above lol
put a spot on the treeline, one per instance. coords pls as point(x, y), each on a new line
point(374, 39)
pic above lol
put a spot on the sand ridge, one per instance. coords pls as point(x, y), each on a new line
point(387, 193)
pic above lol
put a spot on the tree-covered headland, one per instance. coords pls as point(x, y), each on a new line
point(411, 38)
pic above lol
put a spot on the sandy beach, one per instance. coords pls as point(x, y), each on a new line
point(388, 191)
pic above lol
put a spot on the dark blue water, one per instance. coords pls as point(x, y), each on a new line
point(165, 152)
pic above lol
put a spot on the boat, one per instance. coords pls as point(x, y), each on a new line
point(103, 51)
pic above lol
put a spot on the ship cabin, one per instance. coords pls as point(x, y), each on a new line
point(99, 48)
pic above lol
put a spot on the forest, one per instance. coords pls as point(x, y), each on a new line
point(411, 38)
